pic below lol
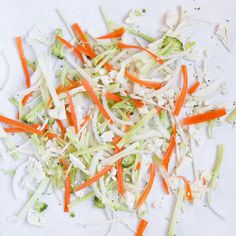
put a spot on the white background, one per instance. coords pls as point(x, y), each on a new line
point(17, 17)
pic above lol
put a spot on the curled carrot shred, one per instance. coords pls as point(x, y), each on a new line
point(148, 84)
point(115, 34)
point(148, 188)
point(127, 46)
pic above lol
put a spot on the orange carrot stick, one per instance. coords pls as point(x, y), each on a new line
point(170, 149)
point(127, 46)
point(86, 119)
point(120, 180)
point(141, 227)
point(188, 191)
point(181, 98)
point(23, 60)
point(96, 100)
point(18, 124)
point(193, 88)
point(73, 114)
point(148, 188)
point(138, 165)
point(75, 51)
point(67, 193)
point(148, 84)
point(113, 96)
point(115, 34)
point(210, 115)
point(61, 126)
point(93, 179)
point(64, 163)
point(137, 103)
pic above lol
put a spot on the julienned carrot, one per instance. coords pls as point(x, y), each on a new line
point(73, 114)
point(23, 61)
point(148, 84)
point(19, 130)
point(165, 186)
point(64, 164)
point(170, 149)
point(138, 165)
point(181, 98)
point(67, 193)
point(120, 180)
point(25, 68)
point(115, 34)
point(69, 118)
point(207, 116)
point(61, 126)
point(141, 227)
point(93, 179)
point(18, 124)
point(117, 98)
point(113, 97)
point(51, 135)
point(96, 100)
point(193, 88)
point(86, 119)
point(148, 188)
point(70, 46)
point(188, 190)
point(127, 46)
point(79, 33)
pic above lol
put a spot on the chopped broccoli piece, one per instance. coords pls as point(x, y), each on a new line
point(128, 161)
point(58, 48)
point(40, 206)
point(98, 203)
point(171, 45)
point(72, 214)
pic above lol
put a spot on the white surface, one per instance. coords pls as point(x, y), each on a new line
point(17, 17)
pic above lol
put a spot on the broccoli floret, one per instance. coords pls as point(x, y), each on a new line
point(72, 214)
point(40, 206)
point(58, 48)
point(171, 45)
point(98, 203)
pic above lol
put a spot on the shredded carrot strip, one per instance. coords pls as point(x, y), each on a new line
point(148, 188)
point(115, 34)
point(18, 130)
point(26, 98)
point(137, 103)
point(86, 119)
point(210, 115)
point(113, 96)
point(158, 109)
point(127, 46)
point(18, 124)
point(61, 126)
point(96, 100)
point(170, 149)
point(67, 193)
point(181, 98)
point(51, 135)
point(165, 186)
point(71, 47)
point(138, 166)
point(69, 118)
point(120, 180)
point(148, 84)
point(193, 88)
point(78, 32)
point(64, 163)
point(73, 114)
point(141, 227)
point(93, 179)
point(188, 191)
point(23, 60)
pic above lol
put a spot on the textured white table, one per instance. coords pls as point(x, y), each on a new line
point(16, 18)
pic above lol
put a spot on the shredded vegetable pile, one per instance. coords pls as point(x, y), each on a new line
point(108, 115)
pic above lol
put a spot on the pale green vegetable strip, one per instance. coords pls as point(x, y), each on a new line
point(127, 137)
point(142, 35)
point(231, 118)
point(11, 147)
point(82, 199)
point(216, 170)
point(41, 188)
point(174, 221)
